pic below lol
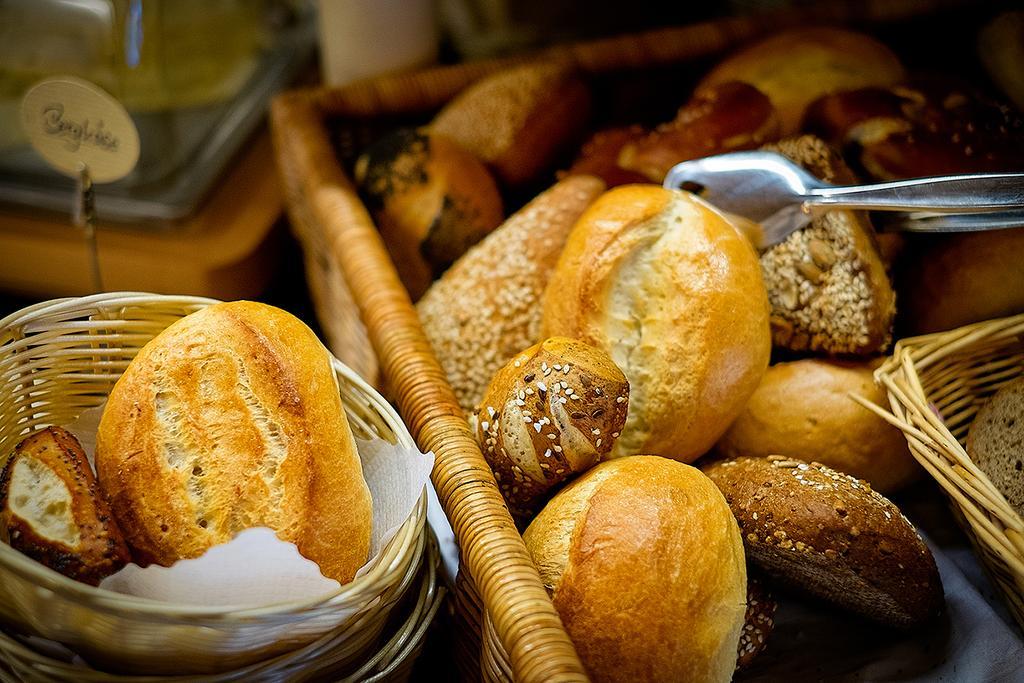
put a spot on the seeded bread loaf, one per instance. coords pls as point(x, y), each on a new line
point(487, 308)
point(832, 536)
point(995, 442)
point(552, 412)
point(673, 292)
point(646, 569)
point(827, 283)
point(758, 622)
point(517, 120)
point(803, 410)
point(52, 509)
point(231, 418)
point(431, 201)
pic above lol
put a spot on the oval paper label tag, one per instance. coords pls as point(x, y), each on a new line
point(72, 122)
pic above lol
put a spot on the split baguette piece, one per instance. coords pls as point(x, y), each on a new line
point(52, 509)
point(487, 307)
point(231, 418)
point(830, 535)
point(646, 569)
point(673, 292)
point(552, 412)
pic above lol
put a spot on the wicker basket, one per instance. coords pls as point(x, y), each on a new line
point(347, 264)
point(59, 358)
point(936, 385)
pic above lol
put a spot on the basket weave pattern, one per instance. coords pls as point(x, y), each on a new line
point(60, 358)
point(936, 385)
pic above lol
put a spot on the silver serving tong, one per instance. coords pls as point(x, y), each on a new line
point(769, 189)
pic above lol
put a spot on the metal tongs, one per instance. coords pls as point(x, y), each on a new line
point(769, 189)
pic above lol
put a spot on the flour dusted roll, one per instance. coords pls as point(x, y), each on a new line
point(229, 419)
point(645, 565)
point(665, 284)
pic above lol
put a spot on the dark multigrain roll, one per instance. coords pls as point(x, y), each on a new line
point(830, 535)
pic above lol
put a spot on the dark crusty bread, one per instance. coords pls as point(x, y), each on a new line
point(517, 120)
point(552, 412)
point(599, 156)
point(827, 283)
point(431, 200)
point(52, 509)
point(995, 442)
point(831, 535)
point(487, 307)
point(726, 117)
point(758, 622)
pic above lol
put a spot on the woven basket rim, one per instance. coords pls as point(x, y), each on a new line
point(109, 601)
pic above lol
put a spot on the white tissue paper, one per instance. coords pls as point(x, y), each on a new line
point(256, 568)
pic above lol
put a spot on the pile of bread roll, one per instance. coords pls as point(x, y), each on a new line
point(230, 418)
point(611, 332)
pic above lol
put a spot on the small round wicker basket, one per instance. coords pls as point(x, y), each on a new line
point(936, 385)
point(61, 357)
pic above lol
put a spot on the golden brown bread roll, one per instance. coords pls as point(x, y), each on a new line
point(431, 201)
point(724, 117)
point(951, 280)
point(599, 156)
point(672, 291)
point(803, 410)
point(827, 283)
point(646, 569)
point(518, 120)
point(929, 128)
point(486, 308)
point(796, 67)
point(832, 536)
point(552, 412)
point(231, 418)
point(52, 510)
point(1001, 48)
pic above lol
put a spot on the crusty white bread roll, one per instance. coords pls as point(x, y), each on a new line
point(52, 509)
point(486, 308)
point(796, 67)
point(995, 442)
point(231, 418)
point(431, 201)
point(673, 292)
point(830, 535)
point(646, 569)
point(517, 120)
point(803, 410)
point(553, 411)
point(827, 283)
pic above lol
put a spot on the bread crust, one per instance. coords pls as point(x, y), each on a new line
point(487, 307)
point(431, 201)
point(673, 292)
point(803, 410)
point(100, 549)
point(229, 419)
point(654, 579)
point(830, 535)
point(827, 284)
point(796, 67)
point(554, 411)
point(517, 120)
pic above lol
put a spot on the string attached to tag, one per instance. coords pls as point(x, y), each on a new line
point(83, 215)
